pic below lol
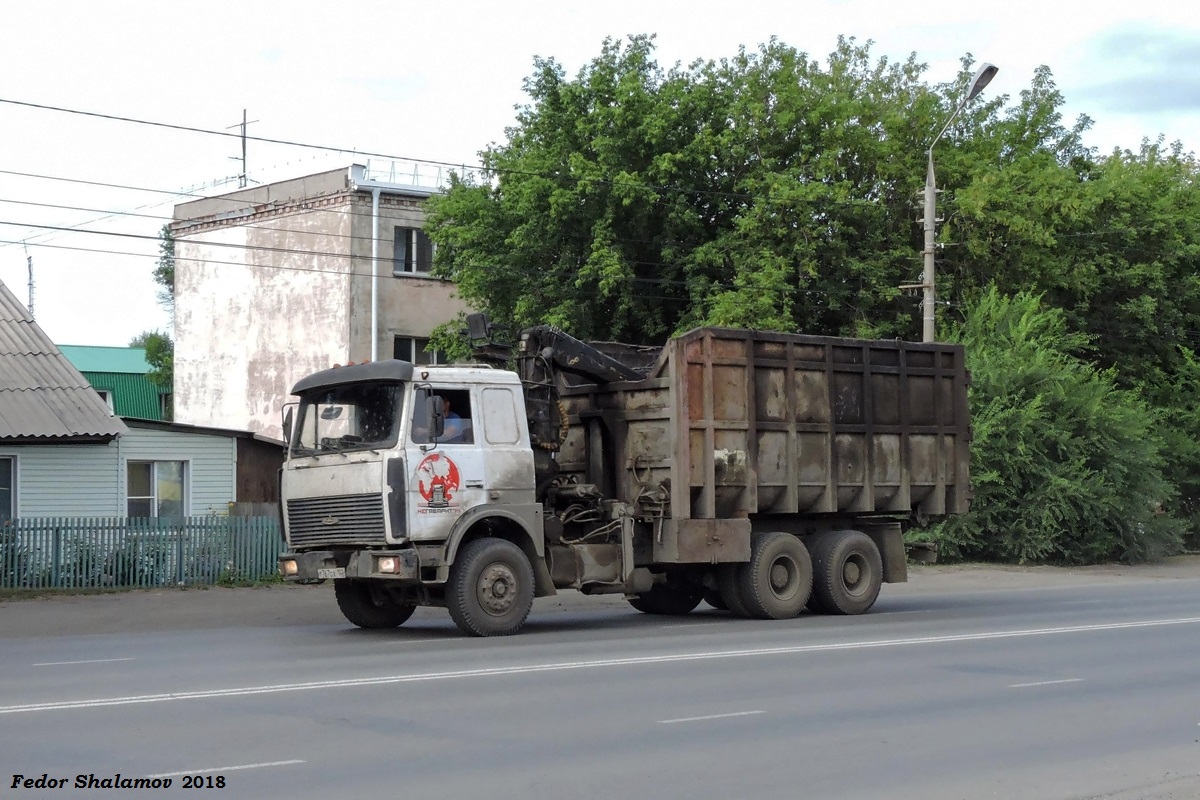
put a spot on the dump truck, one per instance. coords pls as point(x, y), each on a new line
point(763, 473)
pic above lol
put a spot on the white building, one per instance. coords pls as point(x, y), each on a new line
point(278, 281)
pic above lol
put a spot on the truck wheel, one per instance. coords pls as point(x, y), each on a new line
point(667, 600)
point(729, 584)
point(366, 609)
point(491, 588)
point(778, 579)
point(847, 572)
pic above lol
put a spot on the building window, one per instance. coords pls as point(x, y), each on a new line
point(106, 396)
point(414, 349)
point(8, 488)
point(412, 253)
point(156, 489)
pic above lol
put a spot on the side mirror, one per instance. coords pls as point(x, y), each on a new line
point(287, 422)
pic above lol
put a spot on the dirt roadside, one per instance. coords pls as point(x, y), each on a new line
point(280, 605)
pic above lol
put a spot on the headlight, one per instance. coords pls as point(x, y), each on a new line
point(389, 565)
point(288, 567)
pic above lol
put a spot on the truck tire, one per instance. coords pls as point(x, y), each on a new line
point(778, 579)
point(729, 584)
point(847, 572)
point(667, 600)
point(367, 610)
point(490, 591)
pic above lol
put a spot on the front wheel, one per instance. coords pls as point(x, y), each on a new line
point(491, 588)
point(369, 609)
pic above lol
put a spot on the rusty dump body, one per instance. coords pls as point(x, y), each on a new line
point(777, 429)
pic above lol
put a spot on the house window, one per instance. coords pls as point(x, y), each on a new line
point(412, 252)
point(414, 349)
point(156, 489)
point(106, 396)
point(8, 488)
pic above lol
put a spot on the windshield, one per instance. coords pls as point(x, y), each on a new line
point(348, 418)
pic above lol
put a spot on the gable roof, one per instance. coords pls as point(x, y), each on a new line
point(92, 358)
point(43, 398)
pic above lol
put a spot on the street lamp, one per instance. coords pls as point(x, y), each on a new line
point(983, 77)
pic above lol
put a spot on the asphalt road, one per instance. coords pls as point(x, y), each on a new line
point(964, 683)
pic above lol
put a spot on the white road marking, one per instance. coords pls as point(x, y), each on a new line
point(1044, 683)
point(217, 770)
point(710, 716)
point(90, 661)
point(561, 666)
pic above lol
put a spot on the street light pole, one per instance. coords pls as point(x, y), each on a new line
point(983, 77)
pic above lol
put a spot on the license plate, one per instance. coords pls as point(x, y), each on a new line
point(333, 572)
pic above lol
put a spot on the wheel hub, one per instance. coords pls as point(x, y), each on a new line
point(779, 576)
point(497, 588)
point(783, 577)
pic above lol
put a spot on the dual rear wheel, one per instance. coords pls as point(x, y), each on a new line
point(839, 572)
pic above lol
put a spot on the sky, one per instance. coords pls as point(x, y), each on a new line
point(83, 197)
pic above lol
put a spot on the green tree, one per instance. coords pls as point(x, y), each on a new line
point(160, 354)
point(1066, 466)
point(773, 190)
point(761, 191)
point(164, 270)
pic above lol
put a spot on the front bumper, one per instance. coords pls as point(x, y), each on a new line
point(315, 565)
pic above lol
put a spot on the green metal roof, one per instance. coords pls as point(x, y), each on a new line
point(132, 395)
point(90, 358)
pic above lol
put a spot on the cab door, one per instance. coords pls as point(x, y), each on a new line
point(446, 472)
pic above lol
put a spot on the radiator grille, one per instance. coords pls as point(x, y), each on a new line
point(330, 521)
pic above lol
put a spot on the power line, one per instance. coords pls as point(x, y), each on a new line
point(480, 168)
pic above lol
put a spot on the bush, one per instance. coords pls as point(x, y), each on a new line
point(1066, 467)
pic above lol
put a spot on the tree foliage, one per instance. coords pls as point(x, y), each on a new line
point(774, 190)
point(1066, 466)
point(164, 269)
point(160, 355)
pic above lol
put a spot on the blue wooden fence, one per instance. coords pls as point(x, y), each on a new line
point(85, 553)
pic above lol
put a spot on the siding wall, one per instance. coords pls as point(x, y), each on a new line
point(78, 480)
point(211, 464)
point(90, 480)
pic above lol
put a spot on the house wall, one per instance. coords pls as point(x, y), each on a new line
point(77, 480)
point(211, 464)
point(258, 471)
point(409, 305)
point(254, 316)
point(83, 480)
point(274, 283)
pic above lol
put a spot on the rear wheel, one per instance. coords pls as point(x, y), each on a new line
point(490, 591)
point(668, 600)
point(778, 578)
point(847, 572)
point(369, 609)
point(729, 583)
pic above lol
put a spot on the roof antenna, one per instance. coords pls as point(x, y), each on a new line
point(29, 262)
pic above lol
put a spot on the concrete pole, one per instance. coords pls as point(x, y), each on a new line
point(374, 274)
point(928, 305)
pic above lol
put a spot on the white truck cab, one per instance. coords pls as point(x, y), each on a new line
point(392, 466)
